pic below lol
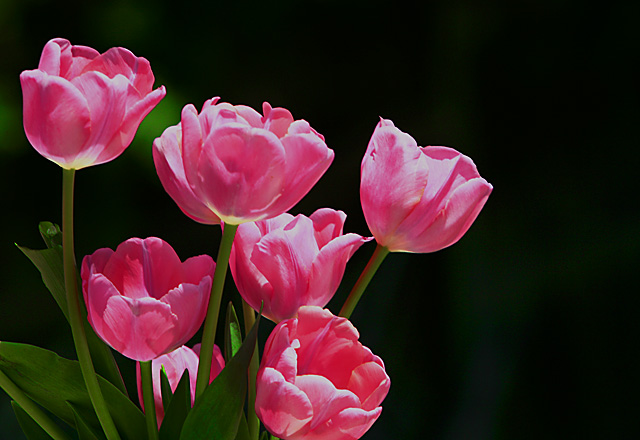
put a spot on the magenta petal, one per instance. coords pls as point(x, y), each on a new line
point(307, 160)
point(325, 399)
point(355, 422)
point(241, 172)
point(167, 156)
point(370, 383)
point(280, 405)
point(188, 303)
point(329, 266)
point(394, 175)
point(57, 120)
point(328, 225)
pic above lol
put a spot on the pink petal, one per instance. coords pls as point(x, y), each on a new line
point(325, 399)
point(107, 106)
point(277, 120)
point(167, 156)
point(355, 422)
point(329, 266)
point(308, 157)
point(328, 225)
point(57, 119)
point(394, 176)
point(241, 172)
point(285, 257)
point(370, 383)
point(120, 61)
point(280, 405)
point(188, 303)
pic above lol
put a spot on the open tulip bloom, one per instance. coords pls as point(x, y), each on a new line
point(227, 165)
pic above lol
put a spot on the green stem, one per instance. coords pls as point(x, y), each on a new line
point(252, 418)
point(365, 277)
point(75, 313)
point(146, 377)
point(211, 321)
point(31, 408)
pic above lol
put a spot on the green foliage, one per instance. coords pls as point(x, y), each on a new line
point(175, 412)
point(53, 382)
point(233, 334)
point(218, 412)
point(49, 263)
point(30, 428)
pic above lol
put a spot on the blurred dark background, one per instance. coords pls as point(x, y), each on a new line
point(528, 327)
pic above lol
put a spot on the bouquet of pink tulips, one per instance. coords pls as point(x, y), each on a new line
point(232, 166)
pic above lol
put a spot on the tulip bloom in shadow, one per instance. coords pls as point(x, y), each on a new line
point(317, 381)
point(175, 364)
point(142, 300)
point(287, 262)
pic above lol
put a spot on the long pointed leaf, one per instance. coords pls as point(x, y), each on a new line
point(233, 335)
point(176, 413)
point(29, 427)
point(52, 381)
point(216, 414)
point(85, 432)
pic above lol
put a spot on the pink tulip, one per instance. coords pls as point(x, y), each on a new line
point(232, 164)
point(287, 262)
point(175, 363)
point(317, 382)
point(418, 199)
point(142, 300)
point(82, 108)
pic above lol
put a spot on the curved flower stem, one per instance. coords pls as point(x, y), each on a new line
point(211, 321)
point(146, 376)
point(75, 313)
point(252, 418)
point(365, 277)
point(31, 408)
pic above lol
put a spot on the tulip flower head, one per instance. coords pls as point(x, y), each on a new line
point(232, 164)
point(287, 262)
point(317, 381)
point(175, 363)
point(418, 199)
point(142, 300)
point(83, 108)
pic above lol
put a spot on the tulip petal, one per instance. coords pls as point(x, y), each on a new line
point(285, 258)
point(329, 266)
point(307, 160)
point(325, 399)
point(327, 224)
point(281, 406)
point(167, 156)
point(57, 119)
point(120, 61)
point(240, 172)
point(394, 175)
point(370, 383)
point(107, 106)
point(355, 422)
point(188, 303)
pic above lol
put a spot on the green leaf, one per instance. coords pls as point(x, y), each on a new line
point(233, 335)
point(29, 427)
point(49, 263)
point(176, 413)
point(165, 388)
point(243, 429)
point(52, 381)
point(85, 432)
point(216, 414)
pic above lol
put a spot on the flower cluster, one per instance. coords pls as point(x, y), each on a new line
point(233, 166)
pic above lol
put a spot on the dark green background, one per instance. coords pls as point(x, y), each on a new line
point(528, 327)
